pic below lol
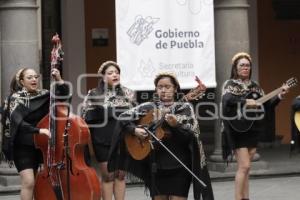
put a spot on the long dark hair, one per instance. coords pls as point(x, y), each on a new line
point(103, 67)
point(101, 71)
point(174, 81)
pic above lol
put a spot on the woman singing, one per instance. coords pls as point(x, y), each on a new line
point(102, 107)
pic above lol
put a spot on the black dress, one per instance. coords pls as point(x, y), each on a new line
point(234, 95)
point(25, 111)
point(101, 110)
point(161, 173)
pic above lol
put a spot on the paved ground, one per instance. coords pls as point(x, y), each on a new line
point(279, 181)
point(280, 188)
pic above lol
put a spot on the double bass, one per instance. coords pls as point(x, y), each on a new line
point(64, 175)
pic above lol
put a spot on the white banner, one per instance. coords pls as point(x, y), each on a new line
point(165, 35)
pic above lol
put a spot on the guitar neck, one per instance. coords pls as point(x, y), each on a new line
point(268, 96)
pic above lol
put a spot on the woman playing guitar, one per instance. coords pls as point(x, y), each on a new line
point(162, 173)
point(240, 133)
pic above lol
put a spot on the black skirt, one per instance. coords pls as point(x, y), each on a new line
point(247, 139)
point(27, 157)
point(101, 152)
point(174, 182)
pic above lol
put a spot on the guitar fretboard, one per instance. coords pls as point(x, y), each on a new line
point(268, 96)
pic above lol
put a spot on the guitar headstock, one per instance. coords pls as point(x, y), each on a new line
point(196, 93)
point(291, 82)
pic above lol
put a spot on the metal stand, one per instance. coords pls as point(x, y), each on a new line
point(172, 154)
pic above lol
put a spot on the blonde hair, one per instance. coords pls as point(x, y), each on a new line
point(15, 83)
point(19, 74)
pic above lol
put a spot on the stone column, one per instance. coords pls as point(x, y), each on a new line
point(1, 72)
point(19, 48)
point(19, 38)
point(232, 36)
point(73, 38)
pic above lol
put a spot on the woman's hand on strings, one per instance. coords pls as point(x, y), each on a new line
point(140, 133)
point(171, 120)
point(251, 103)
point(45, 132)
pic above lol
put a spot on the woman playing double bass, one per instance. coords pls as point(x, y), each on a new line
point(64, 170)
point(161, 172)
point(25, 107)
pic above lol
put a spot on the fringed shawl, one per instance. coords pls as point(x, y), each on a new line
point(97, 97)
point(16, 107)
point(240, 88)
point(235, 92)
point(21, 104)
point(119, 158)
point(101, 108)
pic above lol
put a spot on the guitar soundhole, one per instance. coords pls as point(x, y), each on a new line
point(255, 96)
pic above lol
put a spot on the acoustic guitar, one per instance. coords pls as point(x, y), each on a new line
point(297, 120)
point(139, 149)
point(245, 119)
